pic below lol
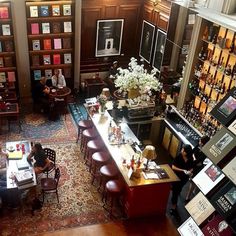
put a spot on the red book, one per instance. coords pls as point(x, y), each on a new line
point(56, 59)
point(11, 76)
point(4, 14)
point(47, 44)
point(34, 28)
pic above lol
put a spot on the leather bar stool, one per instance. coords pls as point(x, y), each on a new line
point(113, 191)
point(107, 173)
point(98, 159)
point(93, 146)
point(87, 135)
point(82, 125)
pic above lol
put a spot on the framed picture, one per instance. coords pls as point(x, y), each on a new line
point(159, 50)
point(146, 42)
point(109, 37)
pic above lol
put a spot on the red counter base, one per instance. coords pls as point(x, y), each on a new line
point(146, 200)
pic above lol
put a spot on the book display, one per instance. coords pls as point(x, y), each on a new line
point(50, 36)
point(7, 49)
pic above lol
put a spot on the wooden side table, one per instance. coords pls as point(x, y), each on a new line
point(94, 86)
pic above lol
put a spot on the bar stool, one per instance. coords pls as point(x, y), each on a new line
point(82, 125)
point(93, 146)
point(113, 190)
point(98, 159)
point(107, 173)
point(87, 135)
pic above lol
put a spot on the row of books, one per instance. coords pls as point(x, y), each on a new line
point(6, 61)
point(6, 46)
point(48, 73)
point(5, 29)
point(54, 27)
point(50, 10)
point(46, 44)
point(51, 59)
point(9, 76)
point(4, 12)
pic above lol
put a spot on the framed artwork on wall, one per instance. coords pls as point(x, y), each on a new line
point(146, 42)
point(159, 49)
point(109, 37)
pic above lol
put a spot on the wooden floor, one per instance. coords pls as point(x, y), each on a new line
point(156, 226)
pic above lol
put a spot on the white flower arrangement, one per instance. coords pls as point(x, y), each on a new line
point(136, 77)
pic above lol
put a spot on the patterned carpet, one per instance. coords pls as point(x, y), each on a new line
point(80, 203)
point(37, 127)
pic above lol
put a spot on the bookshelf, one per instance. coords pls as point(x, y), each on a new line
point(50, 27)
point(8, 72)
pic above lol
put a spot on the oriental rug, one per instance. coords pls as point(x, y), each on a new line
point(80, 203)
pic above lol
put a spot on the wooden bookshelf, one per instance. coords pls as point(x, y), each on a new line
point(50, 27)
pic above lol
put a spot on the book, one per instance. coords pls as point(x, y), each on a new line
point(67, 58)
point(2, 77)
point(8, 46)
point(232, 127)
point(208, 177)
point(67, 27)
point(46, 59)
point(190, 228)
point(6, 29)
point(56, 27)
point(36, 44)
point(56, 59)
point(33, 11)
point(11, 76)
point(46, 28)
point(22, 165)
point(34, 28)
point(230, 170)
point(15, 155)
point(200, 208)
point(67, 10)
point(44, 11)
point(219, 146)
point(4, 13)
point(1, 62)
point(224, 200)
point(37, 74)
point(23, 177)
point(66, 42)
point(217, 226)
point(57, 43)
point(47, 44)
point(35, 60)
point(48, 73)
point(56, 10)
point(8, 61)
point(67, 72)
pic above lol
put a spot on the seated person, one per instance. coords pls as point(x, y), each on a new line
point(112, 76)
point(40, 93)
point(41, 160)
point(58, 79)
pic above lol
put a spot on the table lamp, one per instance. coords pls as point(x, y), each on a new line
point(149, 153)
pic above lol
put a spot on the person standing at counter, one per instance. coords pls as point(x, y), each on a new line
point(58, 79)
point(183, 167)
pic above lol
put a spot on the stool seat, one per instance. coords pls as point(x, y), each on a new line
point(109, 171)
point(96, 144)
point(85, 124)
point(101, 157)
point(90, 133)
point(114, 186)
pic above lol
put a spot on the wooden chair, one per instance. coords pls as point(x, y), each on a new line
point(51, 154)
point(49, 185)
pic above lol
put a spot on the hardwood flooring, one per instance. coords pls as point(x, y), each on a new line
point(155, 226)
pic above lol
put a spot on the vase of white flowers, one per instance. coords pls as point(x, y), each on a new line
point(136, 81)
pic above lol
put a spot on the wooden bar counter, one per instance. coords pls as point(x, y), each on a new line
point(143, 197)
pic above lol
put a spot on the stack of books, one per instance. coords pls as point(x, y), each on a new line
point(24, 177)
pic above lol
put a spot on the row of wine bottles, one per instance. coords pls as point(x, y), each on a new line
point(206, 124)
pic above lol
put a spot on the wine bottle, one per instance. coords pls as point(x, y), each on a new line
point(201, 53)
point(231, 48)
point(214, 40)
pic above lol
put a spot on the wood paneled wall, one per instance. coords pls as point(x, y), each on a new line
point(133, 12)
point(93, 10)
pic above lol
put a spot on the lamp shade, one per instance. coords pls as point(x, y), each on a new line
point(149, 152)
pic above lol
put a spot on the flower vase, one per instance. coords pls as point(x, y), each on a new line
point(133, 93)
point(102, 109)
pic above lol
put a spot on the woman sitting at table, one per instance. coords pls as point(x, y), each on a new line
point(58, 79)
point(41, 160)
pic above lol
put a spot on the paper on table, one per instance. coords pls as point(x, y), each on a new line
point(150, 175)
